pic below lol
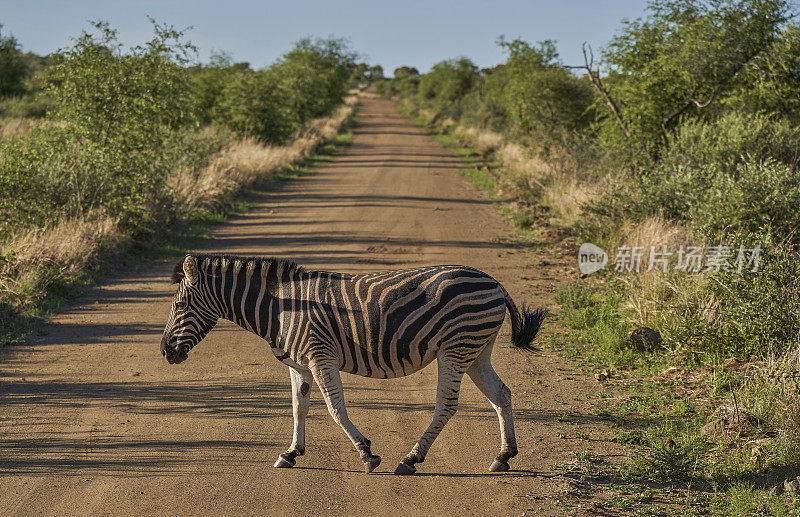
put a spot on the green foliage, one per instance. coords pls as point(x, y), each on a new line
point(743, 500)
point(665, 460)
point(735, 174)
point(257, 104)
point(542, 98)
point(448, 81)
point(25, 106)
point(405, 83)
point(118, 110)
point(596, 318)
point(13, 70)
point(315, 74)
point(208, 83)
point(405, 71)
point(683, 59)
point(127, 119)
point(771, 84)
point(374, 73)
point(759, 311)
point(273, 104)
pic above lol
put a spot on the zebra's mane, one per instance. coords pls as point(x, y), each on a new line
point(287, 265)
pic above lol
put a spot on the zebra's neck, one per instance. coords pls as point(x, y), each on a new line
point(245, 291)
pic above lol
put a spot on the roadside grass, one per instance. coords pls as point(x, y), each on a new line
point(484, 172)
point(44, 270)
point(717, 440)
point(659, 411)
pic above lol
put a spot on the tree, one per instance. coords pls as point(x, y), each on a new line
point(375, 72)
point(119, 109)
point(208, 83)
point(681, 60)
point(316, 74)
point(13, 70)
point(448, 80)
point(405, 71)
point(539, 94)
point(770, 84)
point(256, 104)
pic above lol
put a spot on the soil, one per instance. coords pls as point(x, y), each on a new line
point(94, 421)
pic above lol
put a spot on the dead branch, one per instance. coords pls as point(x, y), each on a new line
point(594, 77)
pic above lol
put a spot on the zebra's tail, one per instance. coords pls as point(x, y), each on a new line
point(525, 324)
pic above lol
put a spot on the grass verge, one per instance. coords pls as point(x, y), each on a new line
point(715, 435)
point(42, 270)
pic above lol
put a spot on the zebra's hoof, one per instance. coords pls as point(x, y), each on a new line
point(499, 466)
point(404, 469)
point(372, 463)
point(284, 463)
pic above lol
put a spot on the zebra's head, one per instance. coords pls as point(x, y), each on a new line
point(192, 315)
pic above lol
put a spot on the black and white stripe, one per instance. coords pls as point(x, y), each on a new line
point(380, 325)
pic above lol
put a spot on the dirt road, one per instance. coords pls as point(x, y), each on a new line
point(94, 421)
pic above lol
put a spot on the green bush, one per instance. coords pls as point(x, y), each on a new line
point(680, 62)
point(543, 99)
point(729, 140)
point(13, 70)
point(119, 109)
point(736, 174)
point(25, 106)
point(274, 103)
point(208, 82)
point(447, 82)
point(315, 75)
point(44, 175)
point(759, 311)
point(256, 103)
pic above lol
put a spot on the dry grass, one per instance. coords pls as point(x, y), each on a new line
point(771, 392)
point(655, 298)
point(482, 140)
point(34, 260)
point(249, 160)
point(566, 195)
point(657, 231)
point(558, 185)
point(14, 127)
point(36, 257)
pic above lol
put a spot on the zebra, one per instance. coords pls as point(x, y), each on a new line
point(380, 325)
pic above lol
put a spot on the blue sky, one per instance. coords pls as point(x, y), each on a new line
point(389, 33)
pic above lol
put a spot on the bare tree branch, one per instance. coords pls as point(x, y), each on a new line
point(594, 77)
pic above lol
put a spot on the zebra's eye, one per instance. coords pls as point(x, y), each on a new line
point(180, 305)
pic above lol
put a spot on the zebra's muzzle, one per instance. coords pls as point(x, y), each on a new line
point(174, 353)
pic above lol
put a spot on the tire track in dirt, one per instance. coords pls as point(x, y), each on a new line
point(93, 420)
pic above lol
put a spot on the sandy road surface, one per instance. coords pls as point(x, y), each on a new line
point(94, 421)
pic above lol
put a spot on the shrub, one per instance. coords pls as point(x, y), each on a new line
point(543, 99)
point(13, 70)
point(447, 82)
point(315, 76)
point(255, 103)
point(759, 311)
point(118, 110)
point(736, 174)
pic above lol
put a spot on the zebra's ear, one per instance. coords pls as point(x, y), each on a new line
point(190, 268)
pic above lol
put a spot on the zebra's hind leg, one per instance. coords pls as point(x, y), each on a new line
point(330, 383)
point(448, 386)
point(485, 378)
point(301, 393)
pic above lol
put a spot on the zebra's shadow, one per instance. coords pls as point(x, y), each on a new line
point(510, 474)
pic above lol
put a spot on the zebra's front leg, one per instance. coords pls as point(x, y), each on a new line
point(447, 389)
point(301, 394)
point(330, 384)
